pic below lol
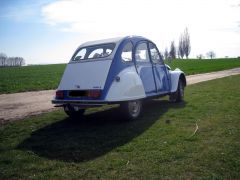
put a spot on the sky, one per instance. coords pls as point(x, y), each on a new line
point(49, 31)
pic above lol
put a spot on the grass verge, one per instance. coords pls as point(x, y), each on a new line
point(103, 146)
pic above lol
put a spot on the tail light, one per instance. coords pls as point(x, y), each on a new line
point(94, 93)
point(59, 95)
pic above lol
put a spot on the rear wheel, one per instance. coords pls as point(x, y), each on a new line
point(131, 109)
point(74, 112)
point(178, 96)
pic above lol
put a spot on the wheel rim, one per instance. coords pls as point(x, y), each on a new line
point(134, 108)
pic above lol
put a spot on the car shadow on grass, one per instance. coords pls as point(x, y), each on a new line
point(96, 135)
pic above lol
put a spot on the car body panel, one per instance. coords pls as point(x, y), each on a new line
point(122, 90)
point(175, 76)
point(162, 79)
point(146, 74)
point(85, 75)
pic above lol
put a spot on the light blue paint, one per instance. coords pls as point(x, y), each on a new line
point(146, 74)
point(162, 79)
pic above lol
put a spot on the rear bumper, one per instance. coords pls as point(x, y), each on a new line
point(79, 102)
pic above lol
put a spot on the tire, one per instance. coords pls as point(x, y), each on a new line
point(74, 112)
point(178, 96)
point(131, 109)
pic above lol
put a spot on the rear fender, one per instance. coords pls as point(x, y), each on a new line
point(126, 86)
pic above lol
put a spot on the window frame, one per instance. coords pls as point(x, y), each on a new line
point(132, 52)
point(135, 49)
point(161, 62)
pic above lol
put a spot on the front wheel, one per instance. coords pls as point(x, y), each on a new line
point(178, 96)
point(131, 109)
point(74, 112)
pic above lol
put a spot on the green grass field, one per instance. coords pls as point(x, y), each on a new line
point(105, 147)
point(193, 66)
point(32, 78)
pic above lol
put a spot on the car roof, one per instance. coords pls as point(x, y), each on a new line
point(116, 40)
point(103, 41)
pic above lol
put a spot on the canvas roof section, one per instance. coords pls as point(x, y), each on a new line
point(116, 40)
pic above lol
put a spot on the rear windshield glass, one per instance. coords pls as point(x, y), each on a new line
point(94, 52)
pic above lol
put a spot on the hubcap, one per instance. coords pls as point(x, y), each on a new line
point(134, 108)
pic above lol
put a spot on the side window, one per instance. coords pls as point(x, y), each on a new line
point(108, 51)
point(80, 55)
point(141, 54)
point(127, 52)
point(97, 53)
point(155, 56)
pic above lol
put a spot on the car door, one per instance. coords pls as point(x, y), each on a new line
point(160, 70)
point(145, 68)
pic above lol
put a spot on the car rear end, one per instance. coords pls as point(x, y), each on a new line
point(82, 84)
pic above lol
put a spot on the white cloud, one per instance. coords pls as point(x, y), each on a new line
point(22, 11)
point(212, 24)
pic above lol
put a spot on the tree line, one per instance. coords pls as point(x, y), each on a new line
point(209, 54)
point(183, 49)
point(10, 61)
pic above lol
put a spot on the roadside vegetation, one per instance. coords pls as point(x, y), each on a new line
point(161, 144)
point(44, 77)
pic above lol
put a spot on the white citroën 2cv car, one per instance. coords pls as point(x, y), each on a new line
point(121, 71)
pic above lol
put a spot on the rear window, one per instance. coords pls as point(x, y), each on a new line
point(94, 52)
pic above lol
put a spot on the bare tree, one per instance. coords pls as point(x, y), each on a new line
point(19, 61)
point(10, 61)
point(181, 47)
point(166, 54)
point(172, 53)
point(211, 54)
point(200, 56)
point(22, 61)
point(178, 54)
point(3, 59)
point(184, 46)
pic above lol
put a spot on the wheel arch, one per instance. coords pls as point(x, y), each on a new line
point(183, 78)
point(177, 75)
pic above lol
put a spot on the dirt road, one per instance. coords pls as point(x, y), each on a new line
point(20, 105)
point(193, 79)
